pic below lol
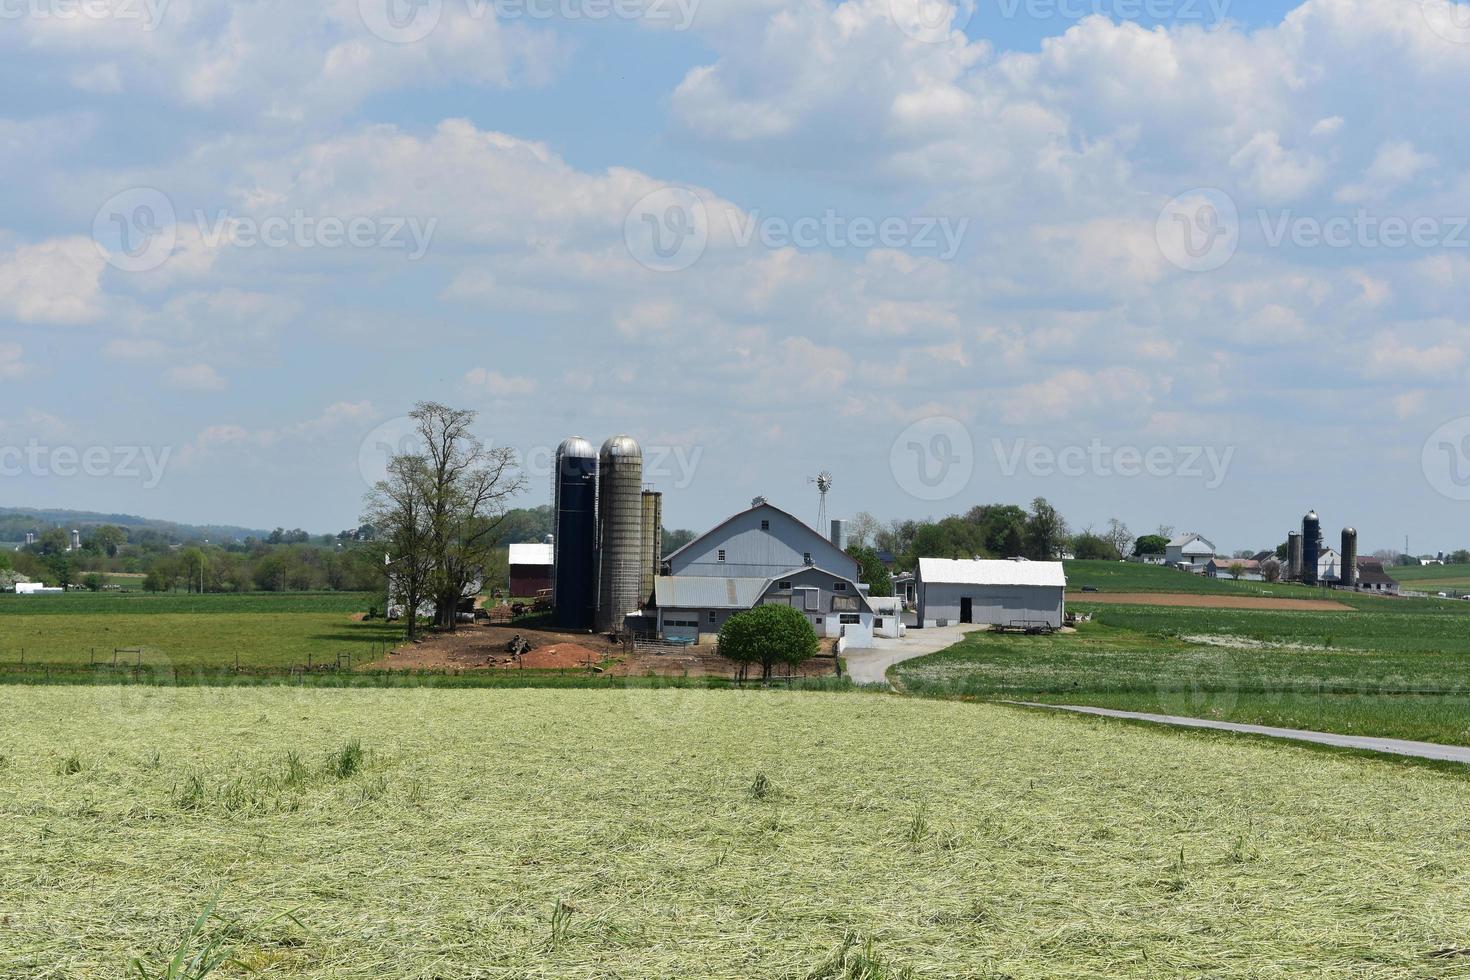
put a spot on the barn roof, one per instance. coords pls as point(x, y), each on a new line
point(706, 592)
point(981, 571)
point(530, 554)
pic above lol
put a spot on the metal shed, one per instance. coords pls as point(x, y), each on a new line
point(990, 591)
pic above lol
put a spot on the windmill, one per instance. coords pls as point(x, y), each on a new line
point(823, 480)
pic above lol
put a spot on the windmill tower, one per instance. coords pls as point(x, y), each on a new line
point(823, 480)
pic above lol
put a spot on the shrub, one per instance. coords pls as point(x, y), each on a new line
point(768, 635)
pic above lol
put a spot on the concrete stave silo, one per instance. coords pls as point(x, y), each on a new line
point(574, 543)
point(651, 555)
point(620, 531)
point(1294, 556)
point(1349, 575)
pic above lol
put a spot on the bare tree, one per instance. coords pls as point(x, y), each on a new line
point(861, 528)
point(1271, 570)
point(399, 512)
point(1119, 537)
point(467, 486)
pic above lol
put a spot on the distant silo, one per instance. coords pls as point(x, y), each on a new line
point(652, 554)
point(76, 540)
point(1311, 547)
point(838, 536)
point(1294, 556)
point(620, 531)
point(1350, 558)
point(574, 544)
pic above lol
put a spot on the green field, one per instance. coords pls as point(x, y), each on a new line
point(1119, 576)
point(552, 834)
point(1452, 579)
point(266, 630)
point(1391, 668)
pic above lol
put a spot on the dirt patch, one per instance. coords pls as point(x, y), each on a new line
point(483, 647)
point(1209, 601)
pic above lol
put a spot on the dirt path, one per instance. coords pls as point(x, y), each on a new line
point(1208, 601)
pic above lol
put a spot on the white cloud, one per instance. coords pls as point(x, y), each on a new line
point(500, 385)
point(194, 378)
point(12, 365)
point(56, 281)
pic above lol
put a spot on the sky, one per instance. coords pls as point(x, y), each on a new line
point(1194, 263)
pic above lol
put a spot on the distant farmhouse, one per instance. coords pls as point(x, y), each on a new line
point(1193, 550)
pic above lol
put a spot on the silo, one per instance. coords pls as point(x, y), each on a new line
point(838, 536)
point(653, 541)
point(1294, 556)
point(1349, 558)
point(1311, 547)
point(574, 543)
point(619, 530)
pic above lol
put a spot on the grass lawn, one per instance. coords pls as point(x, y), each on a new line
point(1453, 579)
point(578, 834)
point(267, 630)
point(1399, 669)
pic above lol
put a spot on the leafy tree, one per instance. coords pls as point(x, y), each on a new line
point(872, 571)
point(1002, 528)
point(108, 538)
point(1460, 557)
point(1093, 547)
point(676, 539)
point(93, 582)
point(768, 635)
point(52, 541)
point(1046, 531)
point(62, 569)
point(399, 510)
point(1150, 544)
point(1237, 569)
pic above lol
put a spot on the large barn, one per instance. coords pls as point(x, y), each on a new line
point(761, 556)
point(990, 591)
point(530, 569)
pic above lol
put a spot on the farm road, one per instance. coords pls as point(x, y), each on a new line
point(1394, 746)
point(871, 666)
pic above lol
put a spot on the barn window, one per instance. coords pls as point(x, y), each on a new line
point(851, 619)
point(844, 603)
point(722, 554)
point(765, 525)
point(806, 557)
point(784, 586)
point(839, 586)
point(711, 615)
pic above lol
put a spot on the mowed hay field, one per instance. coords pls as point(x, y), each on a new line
point(189, 632)
point(680, 833)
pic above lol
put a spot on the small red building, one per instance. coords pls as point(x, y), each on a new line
point(530, 569)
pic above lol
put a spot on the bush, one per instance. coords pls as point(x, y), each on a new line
point(768, 635)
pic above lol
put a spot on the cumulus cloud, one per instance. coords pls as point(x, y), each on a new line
point(57, 281)
point(194, 378)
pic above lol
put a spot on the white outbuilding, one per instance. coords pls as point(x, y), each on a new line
point(997, 592)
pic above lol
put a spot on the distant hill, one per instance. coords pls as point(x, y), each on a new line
point(16, 521)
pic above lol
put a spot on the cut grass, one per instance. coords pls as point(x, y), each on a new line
point(1391, 674)
point(579, 834)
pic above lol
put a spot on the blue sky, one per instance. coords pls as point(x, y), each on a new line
point(1148, 261)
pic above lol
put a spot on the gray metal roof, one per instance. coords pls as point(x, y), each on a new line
point(707, 592)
